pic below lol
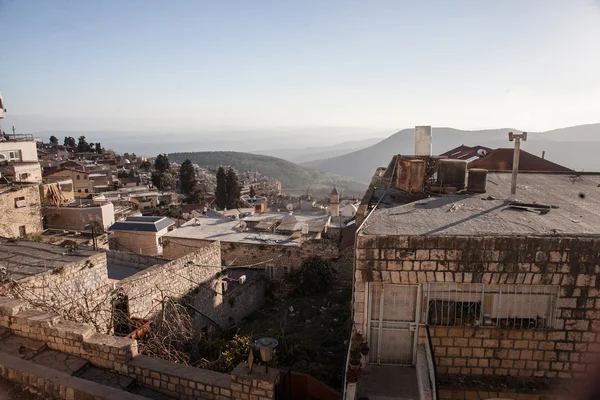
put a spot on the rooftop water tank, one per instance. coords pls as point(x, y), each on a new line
point(477, 181)
point(452, 173)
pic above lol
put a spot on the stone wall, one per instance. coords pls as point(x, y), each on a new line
point(570, 263)
point(133, 260)
point(234, 304)
point(281, 258)
point(198, 271)
point(20, 207)
point(119, 355)
point(76, 291)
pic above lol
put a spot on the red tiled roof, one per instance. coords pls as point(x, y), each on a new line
point(463, 152)
point(501, 160)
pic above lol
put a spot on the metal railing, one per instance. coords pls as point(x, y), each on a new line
point(503, 306)
point(431, 365)
point(17, 137)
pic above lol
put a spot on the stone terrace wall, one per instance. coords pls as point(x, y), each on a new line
point(198, 270)
point(280, 257)
point(119, 355)
point(571, 262)
point(133, 260)
point(76, 290)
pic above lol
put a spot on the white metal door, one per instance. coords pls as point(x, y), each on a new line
point(393, 322)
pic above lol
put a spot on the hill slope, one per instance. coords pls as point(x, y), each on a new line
point(306, 154)
point(295, 179)
point(568, 152)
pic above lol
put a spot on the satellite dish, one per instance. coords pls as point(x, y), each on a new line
point(242, 225)
point(290, 207)
point(481, 152)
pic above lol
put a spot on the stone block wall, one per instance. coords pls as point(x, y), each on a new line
point(119, 355)
point(571, 263)
point(74, 338)
point(242, 301)
point(258, 385)
point(134, 260)
point(77, 291)
point(15, 213)
point(280, 257)
point(199, 270)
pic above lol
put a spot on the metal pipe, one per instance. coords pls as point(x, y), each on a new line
point(515, 171)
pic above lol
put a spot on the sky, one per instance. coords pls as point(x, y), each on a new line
point(354, 68)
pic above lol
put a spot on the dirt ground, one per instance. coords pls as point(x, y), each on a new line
point(9, 391)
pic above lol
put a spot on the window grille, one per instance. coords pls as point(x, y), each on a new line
point(504, 306)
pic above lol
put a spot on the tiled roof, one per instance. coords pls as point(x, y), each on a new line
point(501, 160)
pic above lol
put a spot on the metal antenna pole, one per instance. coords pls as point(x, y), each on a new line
point(517, 152)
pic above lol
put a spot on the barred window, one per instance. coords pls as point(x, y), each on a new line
point(504, 306)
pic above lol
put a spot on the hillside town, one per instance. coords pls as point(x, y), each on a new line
point(299, 200)
point(466, 275)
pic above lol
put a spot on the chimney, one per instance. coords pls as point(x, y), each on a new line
point(543, 154)
point(423, 141)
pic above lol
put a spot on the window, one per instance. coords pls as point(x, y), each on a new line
point(270, 271)
point(78, 177)
point(87, 190)
point(504, 306)
point(22, 231)
point(23, 176)
point(78, 190)
point(20, 202)
point(14, 155)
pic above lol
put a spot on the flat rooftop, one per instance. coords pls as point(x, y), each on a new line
point(23, 259)
point(227, 230)
point(575, 202)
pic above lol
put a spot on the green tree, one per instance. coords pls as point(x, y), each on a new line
point(252, 191)
point(69, 141)
point(53, 140)
point(98, 148)
point(161, 164)
point(316, 275)
point(157, 180)
point(233, 189)
point(82, 145)
point(221, 192)
point(195, 196)
point(187, 177)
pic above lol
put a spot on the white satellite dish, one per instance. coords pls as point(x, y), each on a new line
point(481, 152)
point(290, 207)
point(242, 225)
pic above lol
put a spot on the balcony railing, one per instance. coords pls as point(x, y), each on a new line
point(17, 137)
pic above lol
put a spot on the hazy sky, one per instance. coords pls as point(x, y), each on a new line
point(373, 65)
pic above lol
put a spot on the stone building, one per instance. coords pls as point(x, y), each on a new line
point(507, 289)
point(20, 210)
point(80, 216)
point(66, 281)
point(82, 185)
point(271, 241)
point(141, 235)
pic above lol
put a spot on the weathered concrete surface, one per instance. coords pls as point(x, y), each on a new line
point(382, 382)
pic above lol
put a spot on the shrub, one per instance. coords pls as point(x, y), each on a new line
point(315, 276)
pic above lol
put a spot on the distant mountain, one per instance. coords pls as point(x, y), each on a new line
point(575, 147)
point(295, 179)
point(316, 153)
